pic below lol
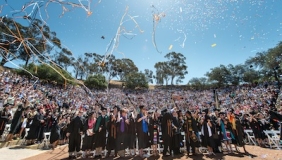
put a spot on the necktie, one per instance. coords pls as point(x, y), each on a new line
point(122, 125)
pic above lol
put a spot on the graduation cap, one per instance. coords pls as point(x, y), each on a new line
point(103, 108)
point(90, 114)
point(221, 113)
point(188, 112)
point(207, 117)
point(231, 110)
point(117, 107)
point(141, 107)
point(6, 105)
point(215, 109)
point(164, 109)
point(206, 111)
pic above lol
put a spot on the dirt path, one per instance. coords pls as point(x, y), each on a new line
point(257, 152)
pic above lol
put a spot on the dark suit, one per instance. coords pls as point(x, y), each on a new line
point(74, 128)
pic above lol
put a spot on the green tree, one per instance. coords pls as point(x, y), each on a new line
point(149, 75)
point(124, 67)
point(162, 70)
point(136, 80)
point(198, 83)
point(251, 76)
point(177, 67)
point(97, 81)
point(269, 62)
point(64, 58)
point(26, 42)
point(218, 75)
point(45, 72)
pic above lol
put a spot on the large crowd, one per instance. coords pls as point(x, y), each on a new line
point(99, 122)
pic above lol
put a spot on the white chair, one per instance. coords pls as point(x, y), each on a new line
point(6, 131)
point(24, 139)
point(160, 142)
point(46, 141)
point(273, 139)
point(250, 136)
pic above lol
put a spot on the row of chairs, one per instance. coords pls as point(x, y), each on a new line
point(273, 138)
point(43, 145)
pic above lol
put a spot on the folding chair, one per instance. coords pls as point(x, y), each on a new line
point(6, 131)
point(183, 141)
point(272, 139)
point(25, 135)
point(46, 141)
point(160, 142)
point(251, 136)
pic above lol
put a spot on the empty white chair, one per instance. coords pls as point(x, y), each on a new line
point(273, 139)
point(250, 136)
point(25, 135)
point(46, 141)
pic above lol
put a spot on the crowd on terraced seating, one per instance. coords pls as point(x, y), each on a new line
point(128, 122)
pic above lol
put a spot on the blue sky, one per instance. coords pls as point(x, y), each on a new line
point(239, 28)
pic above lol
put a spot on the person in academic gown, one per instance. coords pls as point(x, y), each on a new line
point(36, 122)
point(176, 140)
point(207, 134)
point(167, 131)
point(89, 135)
point(190, 128)
point(142, 130)
point(154, 132)
point(16, 121)
point(112, 131)
point(122, 130)
point(55, 132)
point(101, 131)
point(74, 132)
point(274, 117)
point(239, 134)
point(132, 133)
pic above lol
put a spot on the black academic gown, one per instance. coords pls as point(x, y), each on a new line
point(131, 133)
point(101, 136)
point(16, 121)
point(74, 128)
point(143, 138)
point(176, 140)
point(153, 127)
point(55, 131)
point(34, 127)
point(239, 133)
point(190, 142)
point(112, 134)
point(121, 142)
point(167, 132)
point(88, 141)
point(207, 139)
